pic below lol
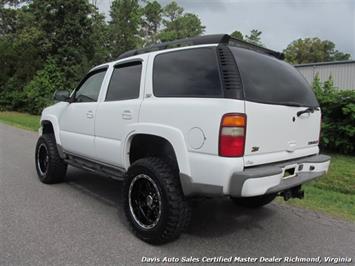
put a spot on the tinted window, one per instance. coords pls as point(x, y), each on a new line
point(89, 90)
point(269, 80)
point(187, 73)
point(125, 82)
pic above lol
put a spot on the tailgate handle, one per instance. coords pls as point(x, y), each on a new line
point(291, 147)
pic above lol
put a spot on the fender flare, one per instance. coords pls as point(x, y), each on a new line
point(55, 124)
point(171, 134)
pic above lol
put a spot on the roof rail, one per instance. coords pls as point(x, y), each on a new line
point(206, 39)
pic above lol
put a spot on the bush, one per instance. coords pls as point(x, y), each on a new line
point(11, 100)
point(338, 116)
point(39, 92)
point(12, 97)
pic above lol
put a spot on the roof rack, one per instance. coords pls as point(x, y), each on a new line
point(206, 39)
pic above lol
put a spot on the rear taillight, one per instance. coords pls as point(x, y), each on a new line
point(232, 135)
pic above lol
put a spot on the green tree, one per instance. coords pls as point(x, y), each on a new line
point(124, 26)
point(338, 116)
point(67, 28)
point(13, 3)
point(70, 32)
point(100, 39)
point(40, 37)
point(254, 37)
point(151, 21)
point(311, 50)
point(237, 35)
point(39, 92)
point(179, 25)
point(172, 11)
point(8, 20)
point(20, 55)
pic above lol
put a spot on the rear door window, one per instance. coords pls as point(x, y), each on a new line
point(187, 73)
point(269, 80)
point(125, 82)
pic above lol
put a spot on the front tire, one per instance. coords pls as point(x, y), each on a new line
point(153, 201)
point(50, 167)
point(254, 202)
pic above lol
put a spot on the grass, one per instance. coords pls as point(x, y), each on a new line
point(21, 120)
point(333, 193)
point(329, 202)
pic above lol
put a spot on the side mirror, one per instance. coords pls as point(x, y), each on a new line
point(61, 96)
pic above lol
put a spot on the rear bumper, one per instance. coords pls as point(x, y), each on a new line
point(270, 178)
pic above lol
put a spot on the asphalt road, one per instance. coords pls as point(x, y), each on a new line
point(78, 222)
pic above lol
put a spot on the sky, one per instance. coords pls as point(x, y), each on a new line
point(281, 21)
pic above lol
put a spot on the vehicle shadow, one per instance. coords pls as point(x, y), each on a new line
point(221, 216)
point(210, 217)
point(104, 189)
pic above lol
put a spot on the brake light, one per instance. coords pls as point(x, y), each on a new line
point(232, 135)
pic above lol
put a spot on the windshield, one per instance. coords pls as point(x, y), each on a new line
point(269, 80)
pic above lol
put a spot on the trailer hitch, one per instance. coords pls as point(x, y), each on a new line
point(294, 192)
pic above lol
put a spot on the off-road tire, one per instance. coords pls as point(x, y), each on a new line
point(254, 202)
point(175, 210)
point(56, 168)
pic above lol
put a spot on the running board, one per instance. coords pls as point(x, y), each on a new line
point(95, 167)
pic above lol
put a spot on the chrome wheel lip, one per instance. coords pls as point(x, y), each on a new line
point(135, 179)
point(42, 147)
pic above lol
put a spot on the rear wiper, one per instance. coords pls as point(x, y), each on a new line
point(308, 110)
point(290, 104)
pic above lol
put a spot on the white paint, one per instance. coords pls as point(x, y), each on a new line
point(258, 186)
point(192, 127)
point(196, 138)
point(271, 128)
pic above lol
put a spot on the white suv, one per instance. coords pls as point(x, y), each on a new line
point(206, 116)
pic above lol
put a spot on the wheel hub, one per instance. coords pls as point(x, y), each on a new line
point(144, 201)
point(149, 201)
point(42, 159)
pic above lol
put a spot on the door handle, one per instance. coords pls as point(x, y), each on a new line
point(126, 115)
point(90, 114)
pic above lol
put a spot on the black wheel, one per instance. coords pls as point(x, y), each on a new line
point(50, 167)
point(153, 201)
point(254, 202)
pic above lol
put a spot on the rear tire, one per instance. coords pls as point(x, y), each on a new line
point(153, 201)
point(50, 167)
point(254, 202)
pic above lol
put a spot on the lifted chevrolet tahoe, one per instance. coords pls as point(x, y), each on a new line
point(204, 116)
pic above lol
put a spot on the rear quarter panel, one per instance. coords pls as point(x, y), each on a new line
point(198, 120)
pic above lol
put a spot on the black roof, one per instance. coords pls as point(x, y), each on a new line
point(206, 39)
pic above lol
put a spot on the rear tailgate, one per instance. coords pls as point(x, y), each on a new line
point(275, 93)
point(276, 133)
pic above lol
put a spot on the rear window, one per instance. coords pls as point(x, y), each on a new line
point(187, 73)
point(269, 80)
